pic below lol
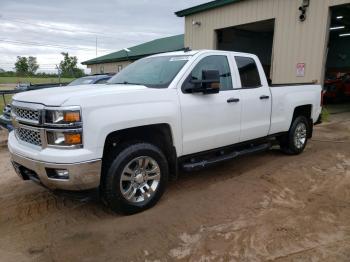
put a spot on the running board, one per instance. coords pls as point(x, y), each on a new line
point(208, 162)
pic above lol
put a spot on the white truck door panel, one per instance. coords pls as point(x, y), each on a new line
point(213, 120)
point(256, 111)
point(256, 100)
point(209, 121)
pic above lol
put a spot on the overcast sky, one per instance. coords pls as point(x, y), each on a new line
point(44, 28)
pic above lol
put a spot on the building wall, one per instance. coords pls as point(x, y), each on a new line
point(246, 41)
point(294, 41)
point(107, 67)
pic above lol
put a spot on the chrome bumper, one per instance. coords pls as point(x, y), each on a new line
point(82, 176)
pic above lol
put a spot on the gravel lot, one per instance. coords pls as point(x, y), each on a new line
point(266, 207)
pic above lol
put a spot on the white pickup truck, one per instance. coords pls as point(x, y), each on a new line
point(174, 110)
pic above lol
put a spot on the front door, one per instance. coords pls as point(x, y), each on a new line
point(210, 120)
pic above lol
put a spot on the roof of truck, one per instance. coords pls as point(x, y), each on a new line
point(201, 51)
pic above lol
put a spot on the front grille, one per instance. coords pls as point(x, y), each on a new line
point(26, 114)
point(30, 136)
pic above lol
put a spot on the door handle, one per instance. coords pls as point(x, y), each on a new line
point(264, 97)
point(232, 100)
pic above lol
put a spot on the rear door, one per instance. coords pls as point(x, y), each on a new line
point(255, 97)
point(210, 121)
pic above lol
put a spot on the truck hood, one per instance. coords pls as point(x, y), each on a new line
point(57, 96)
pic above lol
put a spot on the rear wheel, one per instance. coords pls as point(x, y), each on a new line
point(295, 141)
point(136, 178)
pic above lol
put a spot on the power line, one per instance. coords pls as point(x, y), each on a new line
point(47, 26)
point(8, 63)
point(57, 28)
point(27, 43)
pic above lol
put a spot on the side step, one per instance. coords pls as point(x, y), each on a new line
point(190, 166)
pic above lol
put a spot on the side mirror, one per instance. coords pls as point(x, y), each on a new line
point(210, 83)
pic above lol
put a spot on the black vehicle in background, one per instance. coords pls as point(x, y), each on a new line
point(5, 118)
point(91, 80)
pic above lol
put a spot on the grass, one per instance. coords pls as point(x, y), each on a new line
point(325, 115)
point(8, 100)
point(12, 81)
point(33, 80)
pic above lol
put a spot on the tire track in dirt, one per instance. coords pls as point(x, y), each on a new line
point(258, 208)
point(271, 240)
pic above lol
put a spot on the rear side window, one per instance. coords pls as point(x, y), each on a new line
point(248, 72)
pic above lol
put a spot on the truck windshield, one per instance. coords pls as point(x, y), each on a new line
point(154, 72)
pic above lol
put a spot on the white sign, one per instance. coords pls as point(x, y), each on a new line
point(300, 69)
point(180, 58)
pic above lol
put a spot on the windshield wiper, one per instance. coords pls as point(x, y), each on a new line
point(128, 83)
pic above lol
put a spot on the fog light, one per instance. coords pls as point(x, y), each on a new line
point(62, 173)
point(57, 173)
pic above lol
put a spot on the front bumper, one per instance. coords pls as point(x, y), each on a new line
point(5, 122)
point(82, 175)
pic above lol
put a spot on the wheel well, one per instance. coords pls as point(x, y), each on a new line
point(306, 111)
point(159, 135)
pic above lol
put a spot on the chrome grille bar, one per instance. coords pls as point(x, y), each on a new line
point(30, 136)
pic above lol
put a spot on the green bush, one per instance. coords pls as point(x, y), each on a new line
point(325, 115)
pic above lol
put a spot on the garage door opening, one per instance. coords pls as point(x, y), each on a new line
point(255, 38)
point(337, 82)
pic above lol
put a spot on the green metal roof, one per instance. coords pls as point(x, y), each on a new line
point(205, 7)
point(162, 45)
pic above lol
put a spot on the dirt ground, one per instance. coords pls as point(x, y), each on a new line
point(266, 207)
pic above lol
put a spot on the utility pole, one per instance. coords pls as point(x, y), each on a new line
point(59, 74)
point(96, 46)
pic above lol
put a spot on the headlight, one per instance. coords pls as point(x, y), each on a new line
point(65, 117)
point(64, 127)
point(65, 138)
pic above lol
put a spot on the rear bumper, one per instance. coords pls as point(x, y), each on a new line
point(319, 120)
point(82, 176)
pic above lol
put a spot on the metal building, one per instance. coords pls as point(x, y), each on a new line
point(114, 62)
point(291, 37)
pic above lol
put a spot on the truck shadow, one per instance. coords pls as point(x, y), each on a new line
point(203, 178)
point(228, 169)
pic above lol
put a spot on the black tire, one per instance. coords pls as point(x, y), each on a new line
point(289, 144)
point(111, 184)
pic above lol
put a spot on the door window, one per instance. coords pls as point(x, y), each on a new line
point(214, 62)
point(248, 72)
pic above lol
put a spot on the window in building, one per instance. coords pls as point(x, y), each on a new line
point(102, 69)
point(120, 67)
point(248, 72)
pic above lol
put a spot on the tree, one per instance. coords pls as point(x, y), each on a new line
point(21, 65)
point(2, 70)
point(68, 66)
point(32, 65)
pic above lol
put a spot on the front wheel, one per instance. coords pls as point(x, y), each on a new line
point(295, 141)
point(136, 178)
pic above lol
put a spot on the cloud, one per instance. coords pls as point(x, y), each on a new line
point(73, 26)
